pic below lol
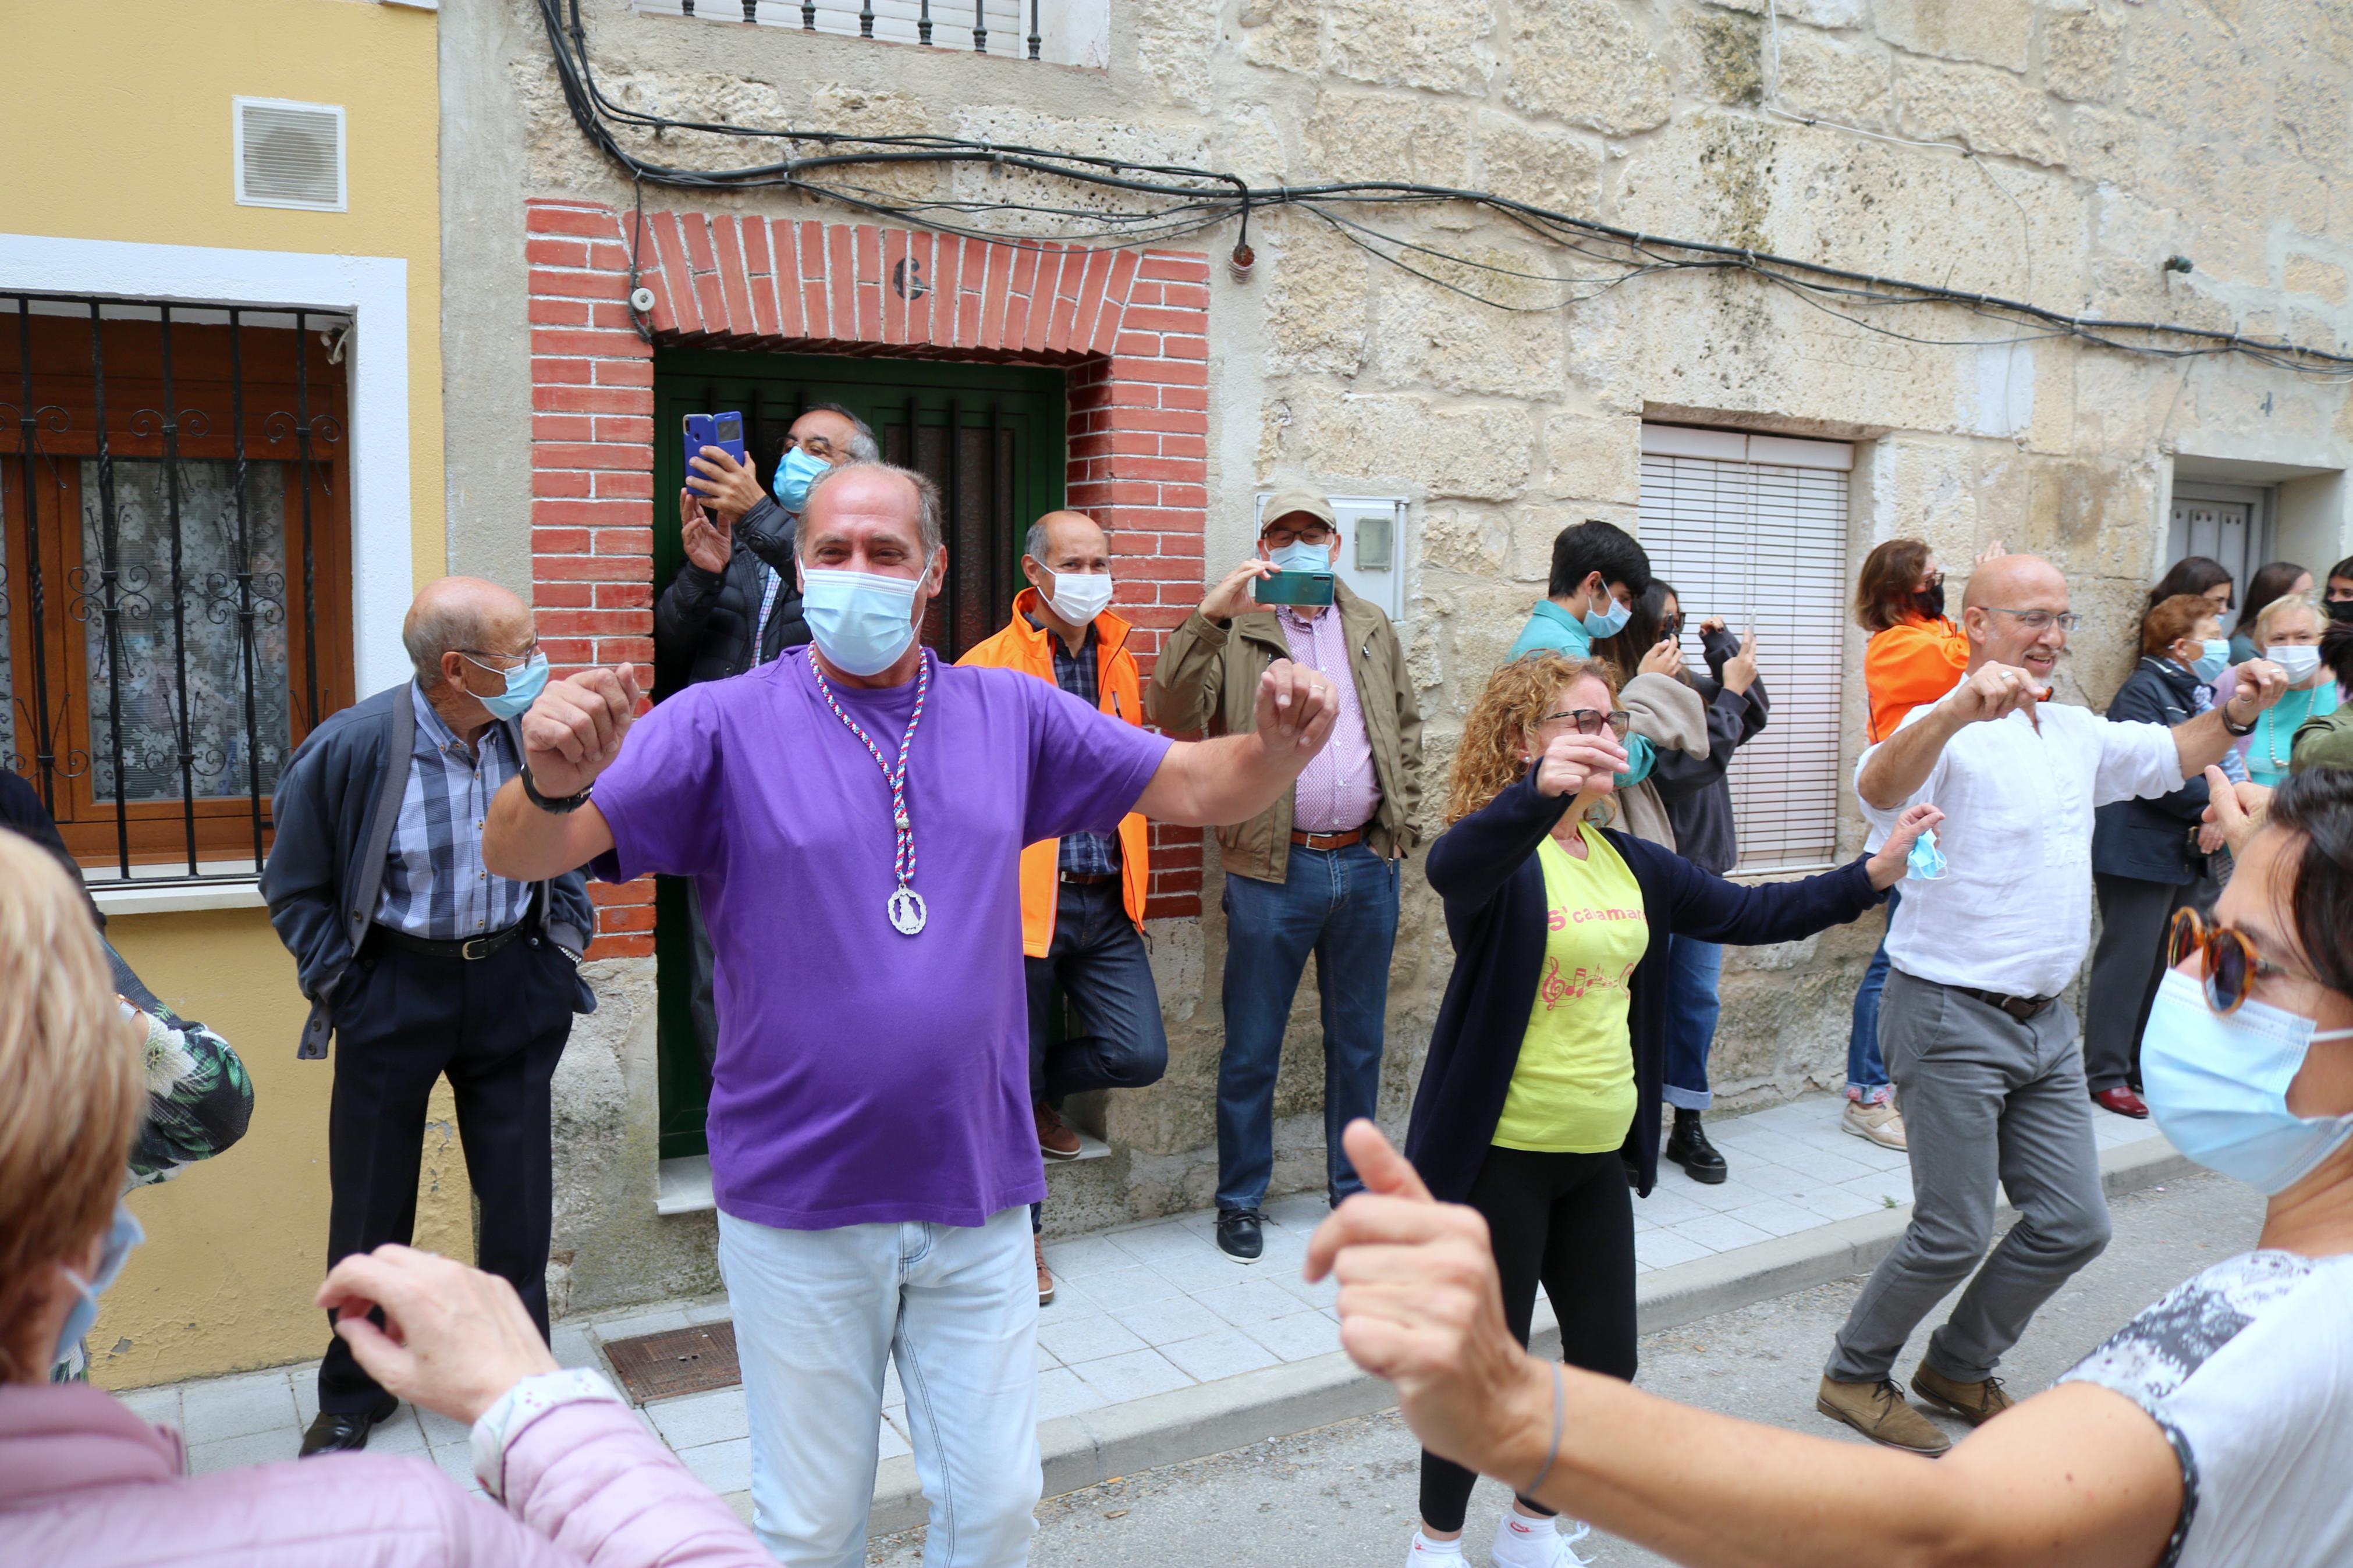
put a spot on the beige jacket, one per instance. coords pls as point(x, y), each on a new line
point(1207, 680)
point(1671, 716)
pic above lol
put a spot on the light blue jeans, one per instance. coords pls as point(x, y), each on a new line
point(818, 1313)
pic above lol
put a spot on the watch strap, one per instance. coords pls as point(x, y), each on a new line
point(558, 803)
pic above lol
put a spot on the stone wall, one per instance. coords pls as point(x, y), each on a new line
point(2079, 145)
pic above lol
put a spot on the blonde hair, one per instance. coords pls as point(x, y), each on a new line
point(1503, 724)
point(76, 1088)
point(2261, 633)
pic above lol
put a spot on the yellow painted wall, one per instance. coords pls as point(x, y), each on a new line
point(118, 122)
point(235, 1246)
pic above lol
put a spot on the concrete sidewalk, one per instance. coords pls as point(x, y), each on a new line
point(1158, 1348)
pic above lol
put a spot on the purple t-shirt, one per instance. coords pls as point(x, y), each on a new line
point(865, 1077)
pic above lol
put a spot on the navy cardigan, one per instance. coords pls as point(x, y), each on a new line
point(1486, 868)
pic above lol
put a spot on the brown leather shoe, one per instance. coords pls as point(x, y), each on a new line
point(1045, 1275)
point(1975, 1403)
point(1057, 1139)
point(2122, 1101)
point(1878, 1411)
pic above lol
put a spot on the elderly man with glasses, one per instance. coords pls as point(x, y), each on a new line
point(1980, 1046)
point(421, 960)
point(1318, 870)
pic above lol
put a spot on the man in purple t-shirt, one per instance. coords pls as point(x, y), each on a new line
point(853, 815)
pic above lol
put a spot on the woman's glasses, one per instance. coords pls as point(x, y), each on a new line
point(2232, 966)
point(1589, 721)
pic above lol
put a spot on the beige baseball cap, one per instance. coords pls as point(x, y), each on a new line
point(1282, 503)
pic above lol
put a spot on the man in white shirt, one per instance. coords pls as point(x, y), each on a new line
point(1980, 1047)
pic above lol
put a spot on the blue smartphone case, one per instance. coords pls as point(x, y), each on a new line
point(724, 431)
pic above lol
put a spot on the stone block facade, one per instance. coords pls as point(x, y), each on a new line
point(2072, 146)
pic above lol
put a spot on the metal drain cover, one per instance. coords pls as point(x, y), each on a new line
point(683, 1361)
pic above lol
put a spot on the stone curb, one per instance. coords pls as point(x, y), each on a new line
point(1082, 1450)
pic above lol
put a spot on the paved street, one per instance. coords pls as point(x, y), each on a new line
point(1345, 1495)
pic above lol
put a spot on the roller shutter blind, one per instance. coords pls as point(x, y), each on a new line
point(1753, 529)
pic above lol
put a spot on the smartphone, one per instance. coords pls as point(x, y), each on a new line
point(1294, 588)
point(724, 431)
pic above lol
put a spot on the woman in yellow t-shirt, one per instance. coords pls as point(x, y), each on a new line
point(1542, 1094)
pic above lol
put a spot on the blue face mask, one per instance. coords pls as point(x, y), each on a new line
point(525, 681)
point(120, 1236)
point(793, 477)
point(1300, 556)
point(2217, 1087)
point(1606, 623)
point(861, 621)
point(2213, 661)
point(1925, 862)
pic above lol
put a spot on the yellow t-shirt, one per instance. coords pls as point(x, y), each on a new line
point(1573, 1090)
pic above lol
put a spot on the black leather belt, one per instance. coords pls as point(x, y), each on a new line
point(1089, 880)
point(2021, 1008)
point(470, 949)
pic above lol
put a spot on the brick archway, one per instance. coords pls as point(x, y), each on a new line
point(1131, 329)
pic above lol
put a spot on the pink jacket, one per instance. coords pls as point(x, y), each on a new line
point(86, 1484)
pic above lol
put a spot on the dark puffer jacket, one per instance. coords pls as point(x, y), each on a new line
point(703, 621)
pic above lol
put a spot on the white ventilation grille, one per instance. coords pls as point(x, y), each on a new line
point(1753, 529)
point(289, 154)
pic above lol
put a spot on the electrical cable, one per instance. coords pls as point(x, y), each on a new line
point(1172, 201)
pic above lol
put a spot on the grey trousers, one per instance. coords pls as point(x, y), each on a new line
point(1988, 1101)
point(2125, 968)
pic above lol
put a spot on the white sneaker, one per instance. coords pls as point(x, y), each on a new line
point(1882, 1124)
point(1427, 1553)
point(1538, 1543)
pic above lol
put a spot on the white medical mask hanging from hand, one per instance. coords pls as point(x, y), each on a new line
point(2298, 659)
point(1301, 556)
point(1080, 596)
point(2217, 1084)
point(861, 621)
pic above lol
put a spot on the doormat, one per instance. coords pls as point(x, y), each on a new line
point(693, 1359)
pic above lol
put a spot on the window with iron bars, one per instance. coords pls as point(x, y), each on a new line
point(175, 586)
point(1062, 32)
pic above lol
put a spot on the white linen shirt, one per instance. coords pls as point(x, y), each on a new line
point(2013, 911)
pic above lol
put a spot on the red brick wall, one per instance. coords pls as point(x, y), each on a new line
point(1131, 330)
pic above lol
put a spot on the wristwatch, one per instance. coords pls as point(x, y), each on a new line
point(2232, 728)
point(560, 804)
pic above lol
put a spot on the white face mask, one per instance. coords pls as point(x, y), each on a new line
point(1080, 596)
point(2298, 659)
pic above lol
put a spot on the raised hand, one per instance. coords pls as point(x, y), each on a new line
point(1740, 669)
point(455, 1339)
point(1575, 763)
point(1994, 691)
point(708, 544)
point(1991, 551)
point(2236, 811)
point(1232, 596)
point(1663, 658)
point(731, 488)
point(574, 729)
point(1887, 866)
point(1297, 706)
point(2260, 683)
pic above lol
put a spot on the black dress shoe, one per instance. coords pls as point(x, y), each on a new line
point(1687, 1146)
point(1241, 1234)
point(334, 1432)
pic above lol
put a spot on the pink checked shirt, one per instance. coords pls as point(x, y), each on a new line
point(1339, 791)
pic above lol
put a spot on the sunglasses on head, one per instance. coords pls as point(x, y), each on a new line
point(2232, 966)
point(1589, 721)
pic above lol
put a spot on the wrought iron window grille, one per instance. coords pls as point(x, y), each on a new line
point(899, 21)
point(156, 670)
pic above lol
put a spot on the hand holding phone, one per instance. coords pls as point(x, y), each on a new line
point(1307, 588)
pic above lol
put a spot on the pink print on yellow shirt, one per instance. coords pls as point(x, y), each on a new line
point(1557, 988)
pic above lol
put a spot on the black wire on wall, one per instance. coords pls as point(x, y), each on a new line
point(1168, 202)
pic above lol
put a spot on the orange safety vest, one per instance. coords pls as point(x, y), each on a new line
point(1029, 648)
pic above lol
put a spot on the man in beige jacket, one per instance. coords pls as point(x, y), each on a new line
point(1316, 872)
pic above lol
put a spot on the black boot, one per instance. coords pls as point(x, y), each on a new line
point(1688, 1146)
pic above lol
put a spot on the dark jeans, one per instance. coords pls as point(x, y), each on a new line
point(2126, 969)
point(1117, 1040)
point(1693, 969)
point(496, 1026)
point(1565, 1220)
point(1342, 906)
point(1866, 1069)
point(700, 1006)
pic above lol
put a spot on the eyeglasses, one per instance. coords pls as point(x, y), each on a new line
point(514, 660)
point(1589, 721)
point(1313, 533)
point(2043, 620)
point(2232, 966)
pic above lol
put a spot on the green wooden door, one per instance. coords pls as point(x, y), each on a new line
point(989, 435)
